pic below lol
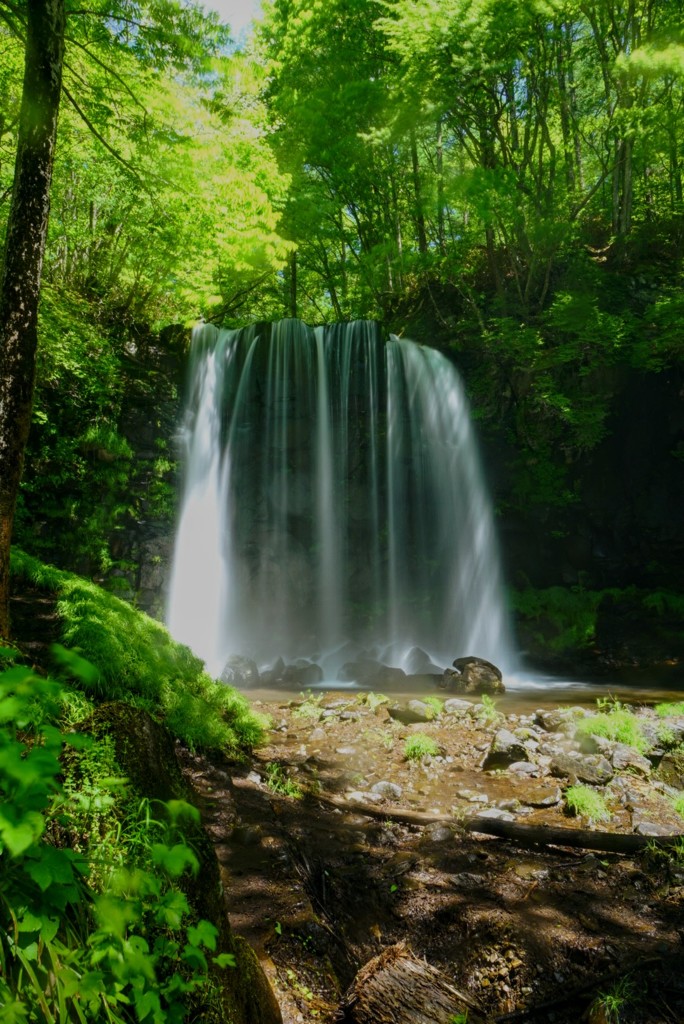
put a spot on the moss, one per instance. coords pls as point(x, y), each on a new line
point(135, 659)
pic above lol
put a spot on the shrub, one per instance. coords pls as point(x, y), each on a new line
point(83, 938)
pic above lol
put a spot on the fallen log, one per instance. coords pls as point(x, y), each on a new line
point(551, 835)
point(526, 835)
point(403, 815)
point(396, 987)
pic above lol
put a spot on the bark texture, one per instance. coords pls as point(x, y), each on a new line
point(398, 988)
point(24, 248)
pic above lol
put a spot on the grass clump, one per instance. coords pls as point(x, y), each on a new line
point(420, 745)
point(611, 1005)
point(435, 705)
point(278, 782)
point(678, 804)
point(670, 710)
point(614, 722)
point(133, 658)
point(585, 802)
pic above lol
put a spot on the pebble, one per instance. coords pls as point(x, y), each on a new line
point(345, 750)
point(496, 814)
point(523, 768)
point(357, 797)
point(387, 789)
point(456, 706)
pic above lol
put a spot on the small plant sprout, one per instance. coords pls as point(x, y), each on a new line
point(586, 803)
point(310, 708)
point(374, 700)
point(420, 745)
point(486, 712)
point(609, 1006)
point(278, 782)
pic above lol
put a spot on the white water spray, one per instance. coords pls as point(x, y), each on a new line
point(333, 496)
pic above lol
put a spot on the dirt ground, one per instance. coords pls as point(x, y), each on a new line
point(321, 872)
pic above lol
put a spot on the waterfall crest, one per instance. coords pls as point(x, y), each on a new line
point(333, 496)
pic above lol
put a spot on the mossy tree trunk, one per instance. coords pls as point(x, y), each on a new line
point(24, 248)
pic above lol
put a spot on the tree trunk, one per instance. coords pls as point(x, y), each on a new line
point(418, 194)
point(24, 247)
point(398, 988)
point(292, 309)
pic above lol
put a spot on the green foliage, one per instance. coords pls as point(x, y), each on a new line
point(561, 618)
point(486, 712)
point(83, 938)
point(435, 705)
point(670, 709)
point(419, 745)
point(373, 700)
point(134, 658)
point(678, 804)
point(309, 709)
point(278, 781)
point(614, 1002)
point(587, 803)
point(614, 722)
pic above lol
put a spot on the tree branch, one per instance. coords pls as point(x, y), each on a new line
point(100, 138)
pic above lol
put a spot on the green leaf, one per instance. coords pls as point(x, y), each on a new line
point(181, 810)
point(204, 934)
point(175, 859)
point(225, 960)
point(18, 838)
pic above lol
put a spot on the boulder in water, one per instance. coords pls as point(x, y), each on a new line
point(273, 676)
point(303, 673)
point(240, 671)
point(474, 676)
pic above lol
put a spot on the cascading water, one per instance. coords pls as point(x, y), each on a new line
point(333, 496)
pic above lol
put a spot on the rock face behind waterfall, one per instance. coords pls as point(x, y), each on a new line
point(474, 676)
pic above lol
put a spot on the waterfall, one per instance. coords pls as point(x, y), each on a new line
point(333, 500)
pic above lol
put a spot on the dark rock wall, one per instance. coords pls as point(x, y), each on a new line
point(151, 420)
point(625, 526)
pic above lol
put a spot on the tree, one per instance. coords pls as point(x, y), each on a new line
point(24, 248)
